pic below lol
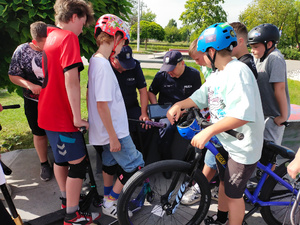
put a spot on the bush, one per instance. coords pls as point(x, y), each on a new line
point(290, 53)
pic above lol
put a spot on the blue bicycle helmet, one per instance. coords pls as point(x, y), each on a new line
point(188, 127)
point(218, 36)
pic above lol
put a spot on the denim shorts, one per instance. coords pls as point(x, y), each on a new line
point(210, 160)
point(66, 146)
point(129, 158)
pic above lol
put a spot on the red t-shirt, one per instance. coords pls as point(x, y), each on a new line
point(61, 53)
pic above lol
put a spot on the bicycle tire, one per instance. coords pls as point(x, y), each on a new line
point(185, 214)
point(274, 191)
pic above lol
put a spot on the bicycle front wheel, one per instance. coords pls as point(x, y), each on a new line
point(147, 199)
point(275, 192)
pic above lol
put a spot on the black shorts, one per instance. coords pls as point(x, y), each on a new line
point(235, 176)
point(31, 112)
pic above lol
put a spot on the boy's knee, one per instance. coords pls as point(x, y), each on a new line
point(110, 170)
point(78, 170)
point(124, 176)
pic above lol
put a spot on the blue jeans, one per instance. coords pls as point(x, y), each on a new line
point(129, 158)
point(210, 160)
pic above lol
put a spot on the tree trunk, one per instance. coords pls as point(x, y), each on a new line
point(146, 40)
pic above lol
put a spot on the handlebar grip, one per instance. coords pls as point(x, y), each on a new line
point(155, 124)
point(237, 135)
point(82, 130)
point(11, 106)
point(7, 171)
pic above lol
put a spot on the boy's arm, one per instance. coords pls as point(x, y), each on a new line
point(225, 124)
point(73, 91)
point(174, 112)
point(105, 116)
point(280, 95)
point(152, 98)
point(20, 81)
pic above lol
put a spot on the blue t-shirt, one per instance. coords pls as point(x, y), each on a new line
point(172, 90)
point(129, 81)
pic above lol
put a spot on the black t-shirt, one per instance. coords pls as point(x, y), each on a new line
point(172, 90)
point(249, 61)
point(129, 81)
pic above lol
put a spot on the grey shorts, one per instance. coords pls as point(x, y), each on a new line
point(235, 177)
point(273, 132)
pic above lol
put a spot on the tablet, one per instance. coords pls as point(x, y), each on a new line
point(156, 111)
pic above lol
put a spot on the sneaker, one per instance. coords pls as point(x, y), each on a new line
point(190, 197)
point(46, 172)
point(64, 201)
point(214, 193)
point(82, 218)
point(112, 211)
point(213, 220)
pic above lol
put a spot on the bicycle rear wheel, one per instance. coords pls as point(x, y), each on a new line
point(151, 210)
point(273, 191)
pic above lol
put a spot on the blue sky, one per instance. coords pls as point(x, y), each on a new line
point(172, 9)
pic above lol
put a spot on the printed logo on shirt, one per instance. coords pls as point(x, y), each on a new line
point(216, 104)
point(188, 86)
point(168, 85)
point(131, 79)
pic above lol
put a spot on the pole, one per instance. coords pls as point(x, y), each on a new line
point(138, 28)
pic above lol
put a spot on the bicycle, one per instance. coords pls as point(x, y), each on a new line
point(154, 200)
point(294, 215)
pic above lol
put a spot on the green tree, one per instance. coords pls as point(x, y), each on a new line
point(282, 13)
point(148, 30)
point(148, 15)
point(172, 23)
point(172, 34)
point(200, 14)
point(185, 33)
point(17, 15)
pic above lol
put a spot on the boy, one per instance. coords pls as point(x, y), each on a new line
point(59, 105)
point(26, 71)
point(241, 51)
point(232, 95)
point(272, 79)
point(107, 112)
point(130, 78)
point(192, 195)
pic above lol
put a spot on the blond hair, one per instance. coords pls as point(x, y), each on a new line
point(193, 47)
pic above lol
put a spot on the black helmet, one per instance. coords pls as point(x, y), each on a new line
point(264, 33)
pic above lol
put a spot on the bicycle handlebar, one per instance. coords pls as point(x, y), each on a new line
point(150, 123)
point(204, 123)
point(11, 106)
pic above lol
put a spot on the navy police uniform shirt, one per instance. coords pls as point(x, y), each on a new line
point(172, 90)
point(129, 81)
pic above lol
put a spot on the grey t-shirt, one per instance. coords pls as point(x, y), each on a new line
point(271, 70)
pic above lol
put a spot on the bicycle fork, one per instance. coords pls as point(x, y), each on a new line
point(187, 182)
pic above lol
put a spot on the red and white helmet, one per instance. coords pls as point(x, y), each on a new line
point(110, 24)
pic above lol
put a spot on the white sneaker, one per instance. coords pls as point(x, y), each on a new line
point(112, 211)
point(190, 197)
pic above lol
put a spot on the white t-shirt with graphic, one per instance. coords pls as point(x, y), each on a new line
point(233, 92)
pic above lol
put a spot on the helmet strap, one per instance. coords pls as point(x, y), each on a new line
point(115, 46)
point(266, 51)
point(212, 60)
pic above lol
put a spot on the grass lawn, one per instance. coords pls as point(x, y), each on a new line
point(16, 133)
